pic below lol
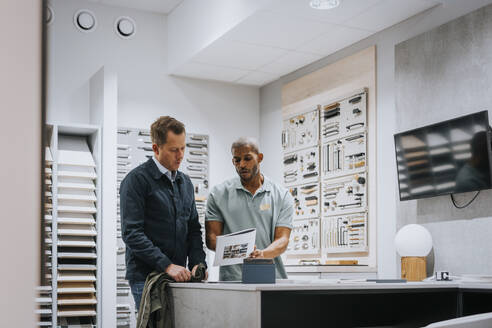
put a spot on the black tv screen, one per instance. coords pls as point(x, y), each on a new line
point(445, 158)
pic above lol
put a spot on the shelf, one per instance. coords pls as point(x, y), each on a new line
point(77, 267)
point(76, 195)
point(76, 241)
point(72, 276)
point(77, 174)
point(76, 255)
point(65, 182)
point(76, 288)
point(76, 311)
point(73, 150)
point(80, 218)
point(88, 209)
point(77, 299)
point(76, 230)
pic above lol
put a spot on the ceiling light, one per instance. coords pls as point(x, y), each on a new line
point(125, 27)
point(324, 4)
point(85, 20)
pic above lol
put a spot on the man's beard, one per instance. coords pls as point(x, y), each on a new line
point(254, 173)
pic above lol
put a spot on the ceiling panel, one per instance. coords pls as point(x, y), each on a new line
point(257, 78)
point(276, 30)
point(301, 9)
point(285, 35)
point(388, 13)
point(238, 55)
point(160, 6)
point(337, 38)
point(290, 62)
point(211, 72)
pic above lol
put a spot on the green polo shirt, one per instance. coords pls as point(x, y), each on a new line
point(270, 207)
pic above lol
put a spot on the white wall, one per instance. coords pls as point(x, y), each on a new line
point(103, 108)
point(20, 167)
point(145, 91)
point(270, 115)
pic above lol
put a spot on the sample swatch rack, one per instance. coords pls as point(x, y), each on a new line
point(72, 217)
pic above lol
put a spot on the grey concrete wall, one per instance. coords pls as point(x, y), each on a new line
point(385, 41)
point(442, 74)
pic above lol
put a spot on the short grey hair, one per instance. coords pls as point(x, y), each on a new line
point(246, 142)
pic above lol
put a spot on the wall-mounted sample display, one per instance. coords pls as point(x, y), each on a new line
point(344, 233)
point(301, 131)
point(301, 166)
point(71, 223)
point(344, 176)
point(306, 200)
point(134, 147)
point(344, 194)
point(345, 94)
point(343, 156)
point(195, 162)
point(305, 238)
point(77, 198)
point(330, 202)
point(343, 118)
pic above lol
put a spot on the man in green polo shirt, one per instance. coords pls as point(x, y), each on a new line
point(250, 201)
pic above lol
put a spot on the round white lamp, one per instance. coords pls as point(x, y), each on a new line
point(413, 242)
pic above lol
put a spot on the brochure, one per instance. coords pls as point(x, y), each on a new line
point(233, 248)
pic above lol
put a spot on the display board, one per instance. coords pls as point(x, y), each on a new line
point(72, 226)
point(77, 229)
point(325, 170)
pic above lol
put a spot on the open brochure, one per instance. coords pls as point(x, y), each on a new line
point(233, 248)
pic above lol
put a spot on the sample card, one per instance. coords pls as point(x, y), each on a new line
point(233, 248)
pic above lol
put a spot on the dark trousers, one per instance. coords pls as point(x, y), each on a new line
point(137, 288)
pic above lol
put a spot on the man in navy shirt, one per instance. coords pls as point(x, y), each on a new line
point(159, 220)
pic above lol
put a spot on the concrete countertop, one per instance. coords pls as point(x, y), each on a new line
point(328, 284)
point(329, 268)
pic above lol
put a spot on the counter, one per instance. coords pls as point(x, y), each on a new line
point(322, 303)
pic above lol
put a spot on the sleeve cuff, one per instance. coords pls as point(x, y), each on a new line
point(213, 219)
point(162, 264)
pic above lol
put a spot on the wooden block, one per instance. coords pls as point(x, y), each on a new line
point(413, 268)
point(342, 262)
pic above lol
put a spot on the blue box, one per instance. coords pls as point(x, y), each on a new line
point(258, 271)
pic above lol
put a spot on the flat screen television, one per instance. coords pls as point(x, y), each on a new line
point(445, 158)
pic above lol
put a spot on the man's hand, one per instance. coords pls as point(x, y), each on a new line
point(178, 273)
point(257, 254)
point(194, 270)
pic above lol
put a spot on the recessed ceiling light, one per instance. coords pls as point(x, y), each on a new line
point(324, 4)
point(85, 20)
point(49, 15)
point(125, 27)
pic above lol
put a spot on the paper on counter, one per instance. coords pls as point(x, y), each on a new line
point(233, 248)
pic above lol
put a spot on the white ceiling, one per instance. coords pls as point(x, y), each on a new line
point(284, 36)
point(160, 6)
point(288, 34)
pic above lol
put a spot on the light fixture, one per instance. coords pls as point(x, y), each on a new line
point(85, 20)
point(413, 242)
point(50, 16)
point(125, 27)
point(324, 4)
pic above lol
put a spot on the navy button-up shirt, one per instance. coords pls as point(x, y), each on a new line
point(159, 222)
